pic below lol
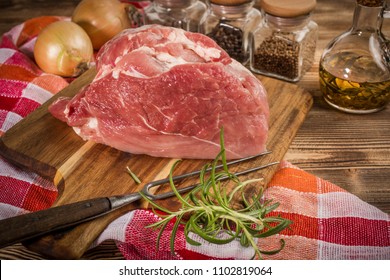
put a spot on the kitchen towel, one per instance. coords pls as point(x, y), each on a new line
point(328, 222)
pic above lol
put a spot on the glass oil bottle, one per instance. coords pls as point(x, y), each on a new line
point(355, 67)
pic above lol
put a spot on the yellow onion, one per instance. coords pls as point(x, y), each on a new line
point(101, 19)
point(63, 48)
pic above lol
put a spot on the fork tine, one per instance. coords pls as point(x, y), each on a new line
point(150, 185)
point(190, 174)
point(188, 188)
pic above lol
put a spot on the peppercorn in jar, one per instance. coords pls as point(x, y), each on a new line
point(230, 23)
point(284, 44)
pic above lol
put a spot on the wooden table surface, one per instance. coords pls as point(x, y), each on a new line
point(351, 151)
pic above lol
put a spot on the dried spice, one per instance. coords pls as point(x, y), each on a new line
point(231, 26)
point(284, 43)
point(279, 56)
point(230, 39)
point(370, 3)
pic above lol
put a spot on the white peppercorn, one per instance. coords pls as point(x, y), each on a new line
point(283, 45)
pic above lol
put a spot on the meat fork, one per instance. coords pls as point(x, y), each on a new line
point(36, 224)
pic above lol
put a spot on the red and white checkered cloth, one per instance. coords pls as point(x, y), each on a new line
point(328, 222)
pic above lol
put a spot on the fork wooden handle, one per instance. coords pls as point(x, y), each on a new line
point(28, 226)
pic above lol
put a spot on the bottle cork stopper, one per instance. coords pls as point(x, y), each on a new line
point(288, 8)
point(230, 2)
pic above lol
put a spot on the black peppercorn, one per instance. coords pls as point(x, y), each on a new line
point(370, 3)
point(230, 25)
point(230, 39)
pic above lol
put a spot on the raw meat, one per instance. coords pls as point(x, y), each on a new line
point(165, 92)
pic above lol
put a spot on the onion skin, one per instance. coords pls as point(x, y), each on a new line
point(63, 48)
point(101, 19)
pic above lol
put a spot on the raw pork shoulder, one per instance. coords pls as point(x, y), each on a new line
point(165, 92)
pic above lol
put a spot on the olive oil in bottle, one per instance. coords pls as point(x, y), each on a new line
point(355, 66)
point(354, 94)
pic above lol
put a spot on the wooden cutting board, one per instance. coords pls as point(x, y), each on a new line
point(83, 170)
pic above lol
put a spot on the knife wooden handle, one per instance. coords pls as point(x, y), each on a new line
point(27, 226)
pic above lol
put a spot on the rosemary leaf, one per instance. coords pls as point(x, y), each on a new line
point(135, 178)
point(273, 252)
point(174, 231)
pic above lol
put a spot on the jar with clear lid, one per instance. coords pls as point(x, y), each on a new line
point(230, 23)
point(355, 66)
point(184, 14)
point(284, 44)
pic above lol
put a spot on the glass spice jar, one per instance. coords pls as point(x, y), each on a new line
point(184, 14)
point(355, 66)
point(284, 43)
point(230, 23)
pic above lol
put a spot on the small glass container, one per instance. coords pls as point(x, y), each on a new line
point(284, 44)
point(355, 66)
point(184, 14)
point(230, 24)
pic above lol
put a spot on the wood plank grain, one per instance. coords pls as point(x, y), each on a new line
point(354, 141)
point(107, 250)
point(13, 12)
point(85, 170)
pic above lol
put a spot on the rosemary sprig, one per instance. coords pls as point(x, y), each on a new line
point(133, 176)
point(212, 211)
